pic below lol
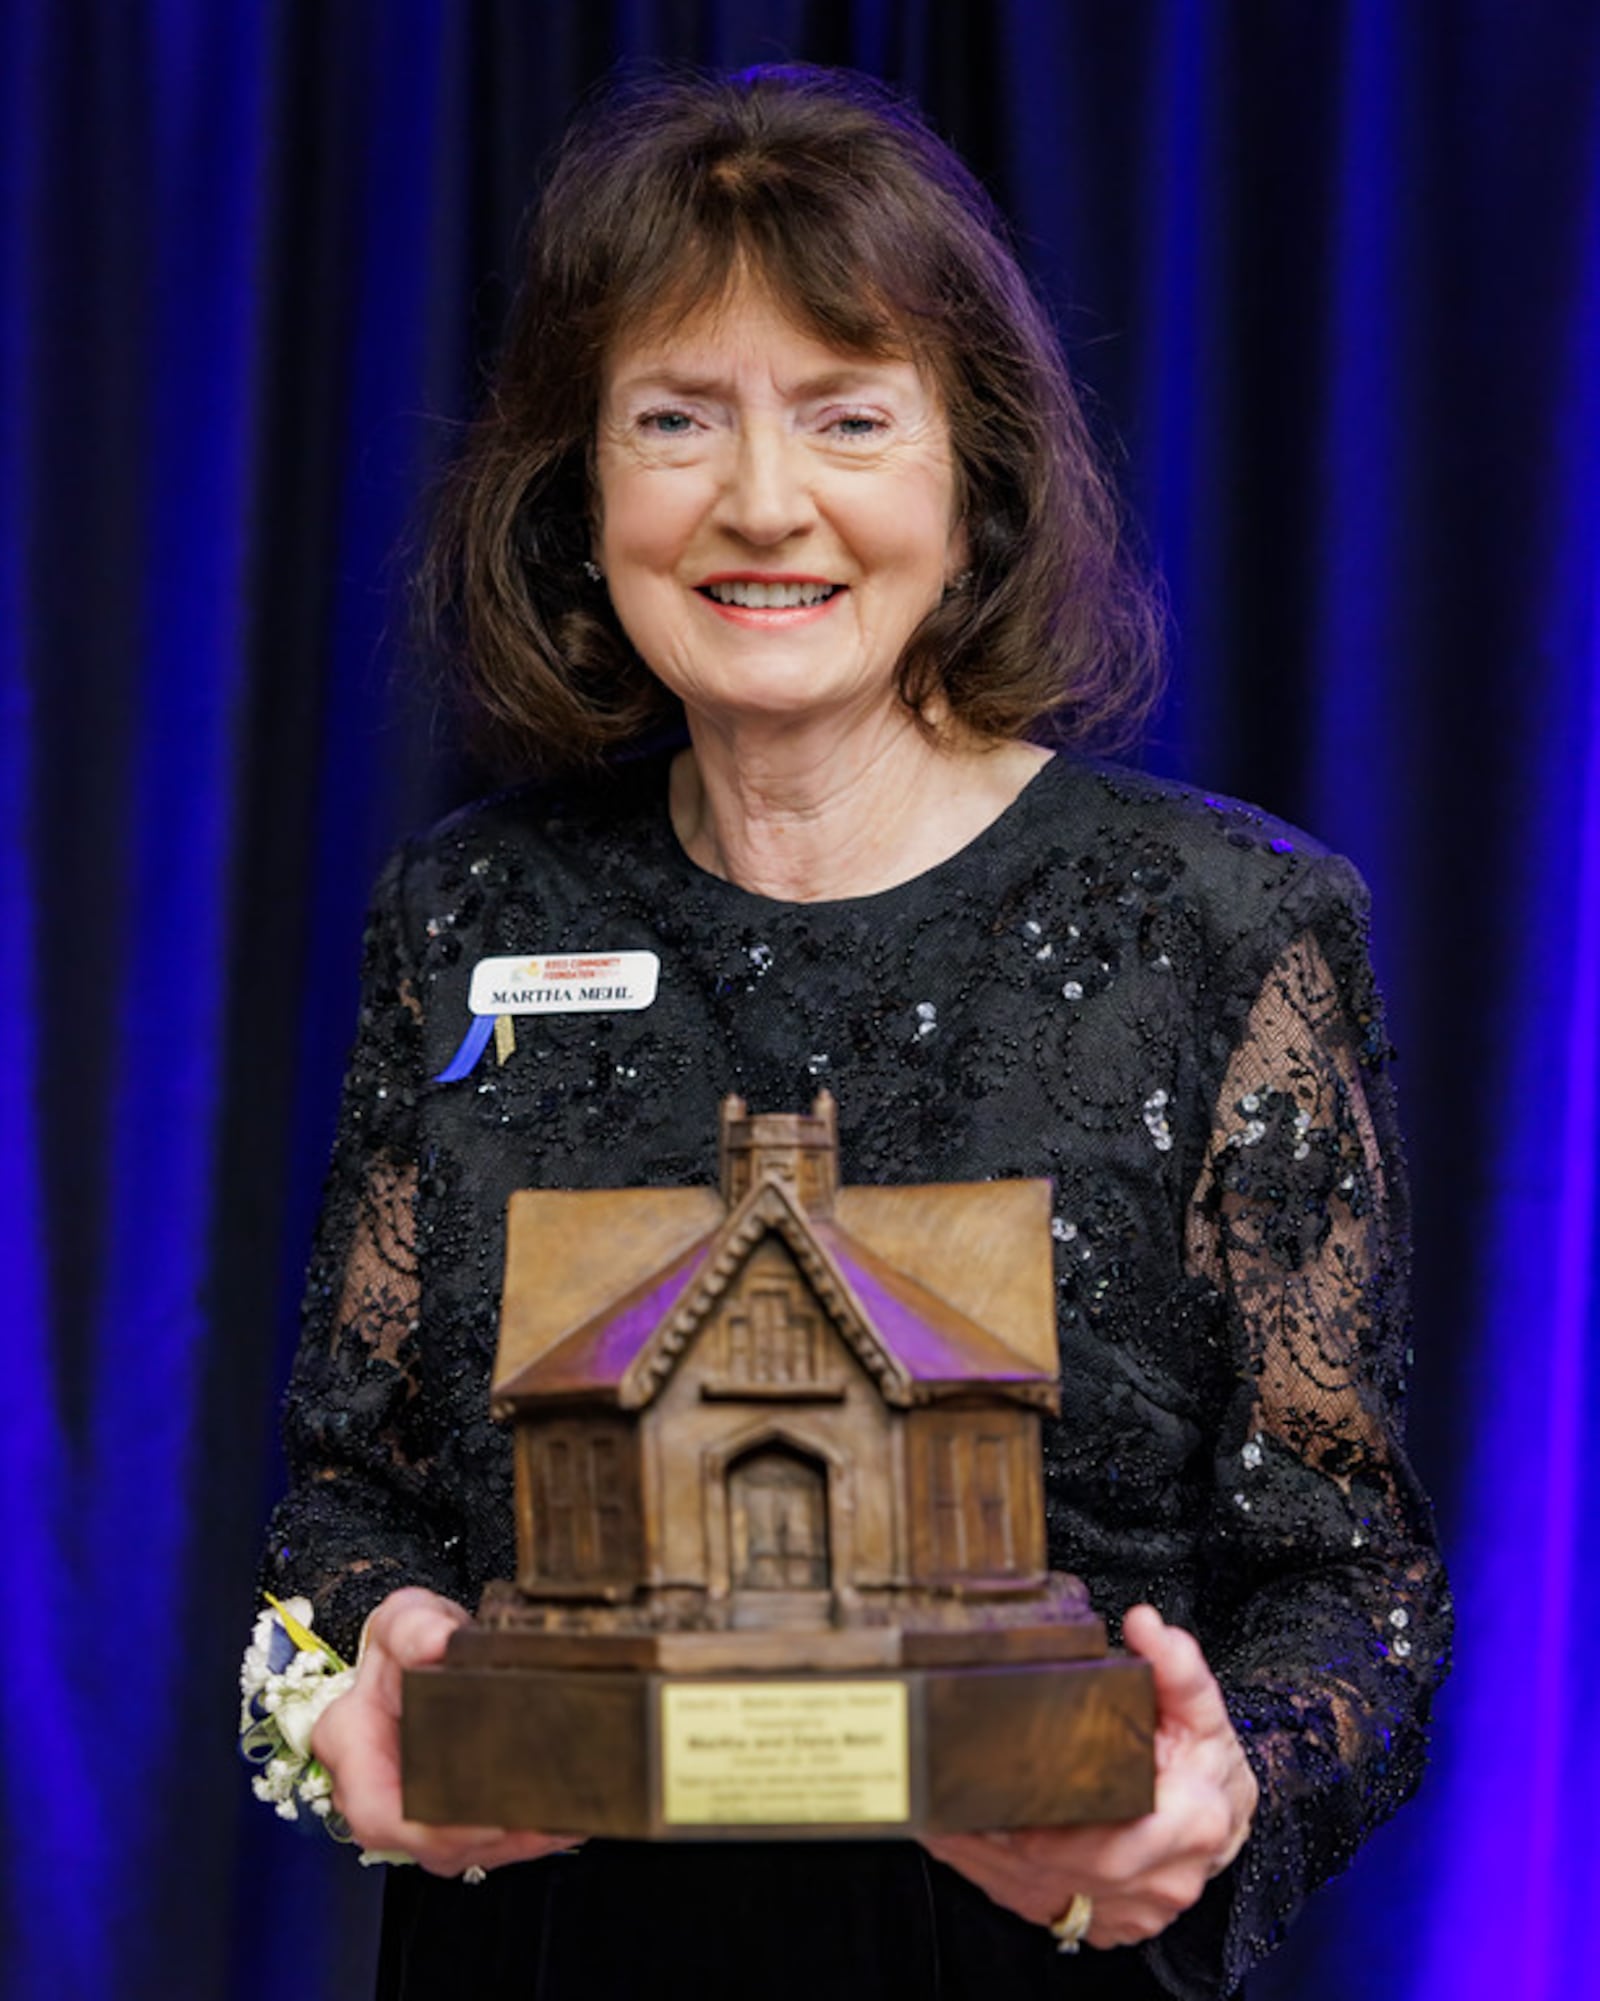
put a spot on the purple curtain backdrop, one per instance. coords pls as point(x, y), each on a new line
point(1332, 271)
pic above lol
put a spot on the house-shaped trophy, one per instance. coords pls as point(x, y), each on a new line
point(780, 1522)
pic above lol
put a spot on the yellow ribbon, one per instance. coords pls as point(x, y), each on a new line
point(307, 1641)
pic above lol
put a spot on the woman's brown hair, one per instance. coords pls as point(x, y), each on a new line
point(838, 199)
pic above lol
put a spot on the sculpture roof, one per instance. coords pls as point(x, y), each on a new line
point(605, 1290)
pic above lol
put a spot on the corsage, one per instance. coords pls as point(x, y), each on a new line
point(289, 1676)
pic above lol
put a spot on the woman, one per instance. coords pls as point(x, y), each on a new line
point(782, 445)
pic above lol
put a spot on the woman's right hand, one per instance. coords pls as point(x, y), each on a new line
point(358, 1739)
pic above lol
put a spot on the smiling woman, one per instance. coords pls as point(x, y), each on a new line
point(772, 528)
point(782, 447)
point(824, 205)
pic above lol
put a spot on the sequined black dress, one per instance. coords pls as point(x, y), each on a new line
point(1162, 1001)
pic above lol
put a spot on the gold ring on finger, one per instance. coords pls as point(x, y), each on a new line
point(1068, 1930)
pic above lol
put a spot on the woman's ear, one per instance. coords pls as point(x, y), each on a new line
point(957, 560)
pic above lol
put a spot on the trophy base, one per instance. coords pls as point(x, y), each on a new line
point(740, 1747)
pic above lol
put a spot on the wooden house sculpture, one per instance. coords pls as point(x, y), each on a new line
point(777, 1426)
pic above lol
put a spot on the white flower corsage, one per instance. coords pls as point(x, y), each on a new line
point(289, 1676)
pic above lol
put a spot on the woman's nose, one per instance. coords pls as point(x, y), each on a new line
point(766, 496)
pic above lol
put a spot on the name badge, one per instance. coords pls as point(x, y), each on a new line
point(565, 983)
point(557, 983)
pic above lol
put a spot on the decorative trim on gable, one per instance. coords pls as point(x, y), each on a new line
point(768, 1207)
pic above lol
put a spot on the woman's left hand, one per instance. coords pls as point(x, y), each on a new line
point(1141, 1874)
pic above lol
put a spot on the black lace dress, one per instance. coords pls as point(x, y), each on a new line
point(1160, 1000)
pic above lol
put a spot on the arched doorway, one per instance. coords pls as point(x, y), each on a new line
point(778, 1521)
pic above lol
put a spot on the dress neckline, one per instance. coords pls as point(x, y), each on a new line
point(1011, 817)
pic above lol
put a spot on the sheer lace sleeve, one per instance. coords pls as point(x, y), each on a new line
point(359, 1519)
point(1324, 1598)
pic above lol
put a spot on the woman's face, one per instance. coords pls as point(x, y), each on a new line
point(775, 516)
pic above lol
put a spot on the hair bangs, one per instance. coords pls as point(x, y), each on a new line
point(819, 262)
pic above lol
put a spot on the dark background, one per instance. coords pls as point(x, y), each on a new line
point(1331, 271)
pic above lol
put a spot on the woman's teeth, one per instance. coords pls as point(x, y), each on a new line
point(769, 597)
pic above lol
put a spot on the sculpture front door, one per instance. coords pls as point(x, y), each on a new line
point(778, 1522)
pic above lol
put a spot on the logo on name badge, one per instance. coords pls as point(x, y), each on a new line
point(565, 983)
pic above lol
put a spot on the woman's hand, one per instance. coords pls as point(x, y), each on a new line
point(358, 1739)
point(1141, 1874)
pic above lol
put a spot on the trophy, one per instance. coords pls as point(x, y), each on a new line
point(781, 1561)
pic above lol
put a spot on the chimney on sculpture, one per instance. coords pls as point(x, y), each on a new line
point(799, 1150)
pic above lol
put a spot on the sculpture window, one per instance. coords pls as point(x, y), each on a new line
point(973, 1499)
point(772, 1330)
point(581, 1493)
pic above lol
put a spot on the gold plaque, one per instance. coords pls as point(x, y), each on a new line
point(785, 1753)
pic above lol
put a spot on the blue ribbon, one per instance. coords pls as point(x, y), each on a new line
point(473, 1044)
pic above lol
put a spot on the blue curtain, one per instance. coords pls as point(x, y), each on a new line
point(1332, 271)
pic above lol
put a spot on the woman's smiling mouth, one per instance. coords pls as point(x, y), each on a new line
point(768, 600)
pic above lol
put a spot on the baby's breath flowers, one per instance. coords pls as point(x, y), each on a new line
point(289, 1676)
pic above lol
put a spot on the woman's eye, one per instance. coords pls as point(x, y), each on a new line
point(667, 423)
point(856, 424)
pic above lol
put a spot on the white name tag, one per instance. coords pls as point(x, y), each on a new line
point(565, 983)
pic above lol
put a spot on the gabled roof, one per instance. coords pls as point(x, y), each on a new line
point(601, 1352)
point(914, 1344)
